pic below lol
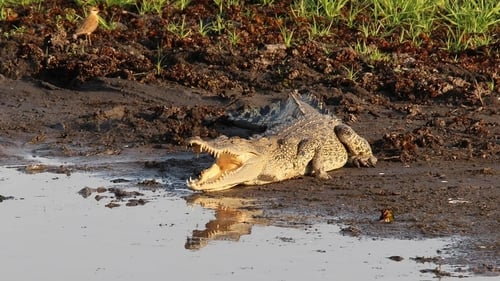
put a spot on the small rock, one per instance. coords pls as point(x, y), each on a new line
point(396, 258)
point(112, 205)
point(86, 192)
point(136, 202)
point(119, 180)
point(58, 126)
point(351, 231)
point(99, 197)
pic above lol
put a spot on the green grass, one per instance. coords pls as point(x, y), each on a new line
point(321, 8)
point(151, 6)
point(6, 6)
point(470, 22)
point(182, 4)
point(465, 24)
point(331, 8)
point(319, 29)
point(106, 25)
point(19, 2)
point(287, 36)
point(233, 37)
point(409, 18)
point(221, 4)
point(204, 28)
point(160, 60)
point(107, 3)
point(370, 54)
point(219, 24)
point(351, 73)
point(267, 2)
point(180, 28)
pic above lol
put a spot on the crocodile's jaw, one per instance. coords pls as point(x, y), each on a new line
point(232, 166)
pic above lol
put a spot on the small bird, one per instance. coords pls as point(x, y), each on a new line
point(89, 25)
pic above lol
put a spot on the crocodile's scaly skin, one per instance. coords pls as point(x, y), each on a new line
point(301, 139)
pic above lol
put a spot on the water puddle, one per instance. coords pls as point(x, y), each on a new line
point(56, 223)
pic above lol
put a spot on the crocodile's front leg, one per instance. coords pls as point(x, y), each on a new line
point(320, 155)
point(318, 166)
point(359, 148)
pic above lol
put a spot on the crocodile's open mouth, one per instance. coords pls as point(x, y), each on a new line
point(217, 176)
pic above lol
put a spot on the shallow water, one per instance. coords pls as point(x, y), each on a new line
point(50, 232)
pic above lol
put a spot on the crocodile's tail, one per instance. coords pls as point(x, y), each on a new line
point(279, 113)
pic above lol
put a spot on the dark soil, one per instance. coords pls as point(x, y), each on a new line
point(430, 115)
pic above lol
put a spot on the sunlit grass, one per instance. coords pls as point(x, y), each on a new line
point(317, 29)
point(160, 60)
point(233, 37)
point(465, 24)
point(182, 4)
point(351, 73)
point(473, 16)
point(151, 6)
point(19, 2)
point(107, 3)
point(204, 28)
point(219, 24)
point(332, 8)
point(353, 11)
point(222, 4)
point(328, 8)
point(469, 22)
point(370, 54)
point(179, 28)
point(287, 36)
point(266, 2)
point(6, 6)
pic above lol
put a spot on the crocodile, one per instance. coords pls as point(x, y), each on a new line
point(302, 138)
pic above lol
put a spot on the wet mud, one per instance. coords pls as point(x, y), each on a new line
point(438, 168)
point(430, 115)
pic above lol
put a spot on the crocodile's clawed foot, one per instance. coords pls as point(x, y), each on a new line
point(363, 161)
point(322, 175)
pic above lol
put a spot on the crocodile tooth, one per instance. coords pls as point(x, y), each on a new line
point(223, 175)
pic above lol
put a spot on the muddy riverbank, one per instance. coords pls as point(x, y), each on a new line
point(438, 168)
point(428, 103)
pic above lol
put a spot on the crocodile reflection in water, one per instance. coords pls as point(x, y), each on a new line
point(234, 217)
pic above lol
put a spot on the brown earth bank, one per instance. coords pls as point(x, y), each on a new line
point(431, 115)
